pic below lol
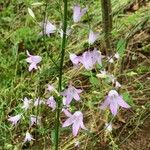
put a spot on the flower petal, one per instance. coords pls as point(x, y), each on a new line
point(75, 128)
point(122, 103)
point(105, 103)
point(68, 122)
point(114, 107)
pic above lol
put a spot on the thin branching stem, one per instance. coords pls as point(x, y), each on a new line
point(63, 46)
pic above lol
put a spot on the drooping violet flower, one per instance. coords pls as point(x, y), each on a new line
point(113, 100)
point(87, 60)
point(51, 103)
point(78, 13)
point(76, 120)
point(97, 56)
point(28, 137)
point(33, 60)
point(14, 120)
point(71, 93)
point(35, 120)
point(38, 101)
point(90, 58)
point(26, 103)
point(48, 28)
point(75, 59)
point(92, 37)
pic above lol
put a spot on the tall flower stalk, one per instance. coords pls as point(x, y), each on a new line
point(63, 46)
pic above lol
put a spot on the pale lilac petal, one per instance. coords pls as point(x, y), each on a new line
point(68, 122)
point(76, 96)
point(122, 103)
point(82, 125)
point(75, 59)
point(106, 103)
point(28, 137)
point(51, 103)
point(48, 28)
point(96, 56)
point(76, 14)
point(67, 113)
point(87, 60)
point(83, 11)
point(92, 37)
point(114, 107)
point(68, 99)
point(75, 128)
point(79, 91)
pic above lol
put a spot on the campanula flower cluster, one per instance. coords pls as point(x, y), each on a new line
point(89, 60)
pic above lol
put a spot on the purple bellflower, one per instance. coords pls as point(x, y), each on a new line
point(48, 28)
point(33, 60)
point(71, 93)
point(51, 103)
point(88, 59)
point(92, 37)
point(78, 13)
point(113, 101)
point(28, 137)
point(76, 120)
point(14, 120)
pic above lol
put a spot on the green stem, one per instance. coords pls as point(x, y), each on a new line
point(63, 46)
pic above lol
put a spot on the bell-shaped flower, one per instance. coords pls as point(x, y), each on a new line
point(90, 58)
point(71, 93)
point(14, 120)
point(28, 137)
point(87, 60)
point(51, 103)
point(76, 120)
point(48, 28)
point(78, 13)
point(26, 103)
point(33, 60)
point(113, 101)
point(92, 37)
point(97, 56)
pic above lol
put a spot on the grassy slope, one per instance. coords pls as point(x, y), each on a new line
point(19, 32)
